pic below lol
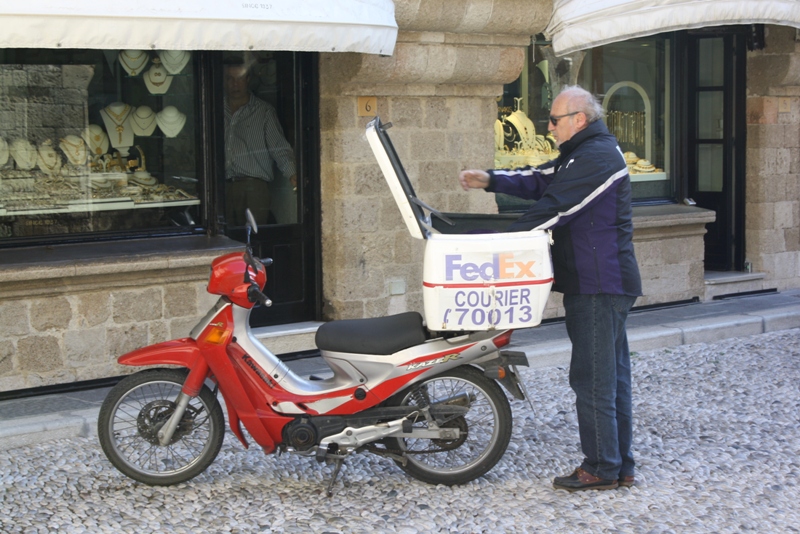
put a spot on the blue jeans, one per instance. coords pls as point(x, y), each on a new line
point(600, 376)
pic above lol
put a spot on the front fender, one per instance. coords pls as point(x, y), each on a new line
point(183, 352)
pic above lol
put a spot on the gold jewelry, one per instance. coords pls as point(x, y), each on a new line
point(76, 147)
point(143, 124)
point(52, 155)
point(133, 69)
point(118, 118)
point(150, 74)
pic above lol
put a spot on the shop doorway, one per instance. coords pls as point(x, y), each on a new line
point(271, 166)
point(716, 141)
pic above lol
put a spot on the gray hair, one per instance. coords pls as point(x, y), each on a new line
point(579, 99)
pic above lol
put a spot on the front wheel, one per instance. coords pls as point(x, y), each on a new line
point(136, 409)
point(485, 429)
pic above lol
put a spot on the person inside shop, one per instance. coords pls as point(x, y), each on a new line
point(584, 196)
point(254, 146)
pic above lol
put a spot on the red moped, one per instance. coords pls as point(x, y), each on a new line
point(430, 400)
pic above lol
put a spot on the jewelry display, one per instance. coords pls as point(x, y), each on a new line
point(96, 139)
point(48, 159)
point(644, 166)
point(157, 80)
point(174, 60)
point(24, 154)
point(116, 117)
point(143, 121)
point(133, 61)
point(170, 121)
point(74, 148)
point(627, 126)
point(516, 141)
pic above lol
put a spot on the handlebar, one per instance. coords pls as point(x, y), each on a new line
point(254, 294)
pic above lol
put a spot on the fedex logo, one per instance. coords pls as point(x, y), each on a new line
point(501, 267)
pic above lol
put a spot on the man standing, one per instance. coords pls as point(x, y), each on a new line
point(253, 141)
point(584, 196)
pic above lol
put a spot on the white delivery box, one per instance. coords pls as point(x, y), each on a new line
point(481, 280)
point(486, 281)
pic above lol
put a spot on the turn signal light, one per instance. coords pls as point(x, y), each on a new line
point(217, 336)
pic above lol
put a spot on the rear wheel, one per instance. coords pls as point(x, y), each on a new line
point(485, 429)
point(138, 407)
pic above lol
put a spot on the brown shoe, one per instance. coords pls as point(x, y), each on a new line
point(582, 480)
point(626, 482)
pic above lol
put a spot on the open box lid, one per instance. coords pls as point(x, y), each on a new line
point(412, 209)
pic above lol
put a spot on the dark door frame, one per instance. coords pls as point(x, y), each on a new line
point(306, 141)
point(730, 224)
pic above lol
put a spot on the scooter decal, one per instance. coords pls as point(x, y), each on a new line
point(431, 363)
point(257, 370)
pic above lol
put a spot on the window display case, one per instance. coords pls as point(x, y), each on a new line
point(96, 141)
point(632, 81)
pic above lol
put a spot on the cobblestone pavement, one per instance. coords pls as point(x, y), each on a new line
point(717, 440)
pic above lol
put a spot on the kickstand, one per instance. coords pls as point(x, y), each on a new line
point(336, 469)
point(524, 389)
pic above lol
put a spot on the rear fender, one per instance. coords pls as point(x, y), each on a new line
point(183, 352)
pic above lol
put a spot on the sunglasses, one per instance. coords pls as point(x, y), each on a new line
point(555, 118)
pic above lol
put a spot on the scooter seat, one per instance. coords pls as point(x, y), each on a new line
point(381, 335)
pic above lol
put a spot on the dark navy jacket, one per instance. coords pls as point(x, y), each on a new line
point(584, 195)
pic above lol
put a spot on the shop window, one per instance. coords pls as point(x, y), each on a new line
point(632, 81)
point(97, 143)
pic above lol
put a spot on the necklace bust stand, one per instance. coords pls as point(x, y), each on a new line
point(3, 152)
point(143, 121)
point(170, 121)
point(96, 140)
point(24, 154)
point(174, 60)
point(116, 117)
point(157, 80)
point(133, 61)
point(48, 159)
point(74, 148)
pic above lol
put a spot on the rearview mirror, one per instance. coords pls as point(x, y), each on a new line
point(251, 221)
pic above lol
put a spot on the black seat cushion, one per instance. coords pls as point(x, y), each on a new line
point(382, 335)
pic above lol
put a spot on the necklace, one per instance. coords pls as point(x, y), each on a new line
point(75, 149)
point(46, 153)
point(96, 139)
point(133, 64)
point(171, 121)
point(156, 79)
point(156, 73)
point(118, 118)
point(174, 60)
point(143, 121)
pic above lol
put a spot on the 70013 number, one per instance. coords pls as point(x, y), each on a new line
point(480, 316)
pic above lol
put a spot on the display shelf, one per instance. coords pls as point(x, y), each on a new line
point(99, 204)
point(648, 176)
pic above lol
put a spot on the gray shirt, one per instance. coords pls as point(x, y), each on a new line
point(254, 140)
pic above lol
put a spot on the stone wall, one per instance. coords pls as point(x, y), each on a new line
point(773, 158)
point(439, 90)
point(69, 322)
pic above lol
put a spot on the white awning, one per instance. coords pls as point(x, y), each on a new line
point(366, 26)
point(580, 24)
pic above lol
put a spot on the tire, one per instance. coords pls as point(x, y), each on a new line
point(134, 411)
point(486, 429)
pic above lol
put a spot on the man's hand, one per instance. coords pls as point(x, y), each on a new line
point(293, 181)
point(473, 179)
